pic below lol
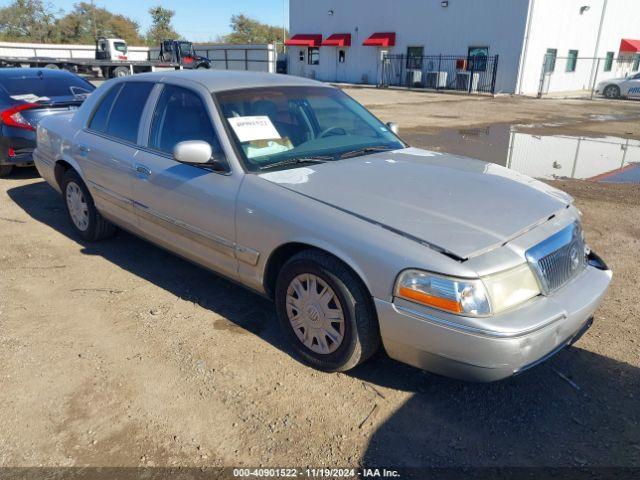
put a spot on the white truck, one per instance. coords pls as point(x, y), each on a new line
point(111, 59)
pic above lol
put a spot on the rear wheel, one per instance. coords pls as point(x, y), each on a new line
point(5, 170)
point(326, 312)
point(612, 91)
point(85, 218)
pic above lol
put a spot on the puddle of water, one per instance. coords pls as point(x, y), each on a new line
point(604, 159)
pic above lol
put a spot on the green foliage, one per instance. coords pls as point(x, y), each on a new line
point(247, 30)
point(86, 22)
point(27, 20)
point(161, 28)
point(36, 21)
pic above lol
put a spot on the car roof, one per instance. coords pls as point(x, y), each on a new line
point(220, 80)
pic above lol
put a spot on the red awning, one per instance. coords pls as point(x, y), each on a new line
point(338, 40)
point(629, 46)
point(304, 40)
point(381, 39)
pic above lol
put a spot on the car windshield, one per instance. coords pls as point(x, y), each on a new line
point(41, 84)
point(278, 127)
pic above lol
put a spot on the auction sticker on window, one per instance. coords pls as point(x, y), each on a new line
point(249, 129)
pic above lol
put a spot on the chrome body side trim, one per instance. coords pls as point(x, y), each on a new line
point(189, 231)
point(476, 331)
point(110, 196)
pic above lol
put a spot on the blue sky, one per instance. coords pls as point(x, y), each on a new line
point(197, 20)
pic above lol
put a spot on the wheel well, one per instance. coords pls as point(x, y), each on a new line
point(282, 254)
point(60, 169)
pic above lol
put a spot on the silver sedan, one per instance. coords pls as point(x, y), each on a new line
point(294, 190)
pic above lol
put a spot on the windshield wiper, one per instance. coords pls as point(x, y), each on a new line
point(363, 151)
point(298, 161)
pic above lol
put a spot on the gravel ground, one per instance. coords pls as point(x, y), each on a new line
point(121, 354)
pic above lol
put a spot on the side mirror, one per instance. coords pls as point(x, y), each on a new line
point(394, 127)
point(197, 152)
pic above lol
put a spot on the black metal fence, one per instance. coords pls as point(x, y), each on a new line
point(471, 74)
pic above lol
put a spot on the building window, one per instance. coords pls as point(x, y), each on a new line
point(342, 56)
point(572, 60)
point(301, 57)
point(550, 60)
point(313, 56)
point(636, 63)
point(608, 63)
point(477, 59)
point(414, 58)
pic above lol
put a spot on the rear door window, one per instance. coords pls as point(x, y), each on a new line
point(101, 115)
point(125, 115)
point(179, 116)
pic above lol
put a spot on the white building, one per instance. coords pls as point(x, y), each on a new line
point(344, 40)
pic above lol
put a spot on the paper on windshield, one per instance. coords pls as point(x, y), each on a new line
point(260, 148)
point(249, 129)
point(30, 97)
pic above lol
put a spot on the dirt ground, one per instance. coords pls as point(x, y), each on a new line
point(120, 354)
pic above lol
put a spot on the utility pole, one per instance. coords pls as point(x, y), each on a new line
point(93, 20)
point(594, 68)
point(284, 22)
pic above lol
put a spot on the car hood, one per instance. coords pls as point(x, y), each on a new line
point(457, 205)
point(613, 80)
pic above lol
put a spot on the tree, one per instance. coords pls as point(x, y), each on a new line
point(86, 22)
point(27, 20)
point(161, 27)
point(248, 30)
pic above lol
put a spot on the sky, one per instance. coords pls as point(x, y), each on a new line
point(196, 20)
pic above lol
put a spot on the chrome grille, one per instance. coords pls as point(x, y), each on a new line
point(559, 258)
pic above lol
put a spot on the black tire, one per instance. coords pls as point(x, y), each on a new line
point(612, 91)
point(98, 228)
point(5, 170)
point(202, 66)
point(361, 331)
point(121, 72)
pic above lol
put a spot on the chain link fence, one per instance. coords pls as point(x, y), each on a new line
point(610, 76)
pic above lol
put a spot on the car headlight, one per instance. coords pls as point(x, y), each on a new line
point(469, 297)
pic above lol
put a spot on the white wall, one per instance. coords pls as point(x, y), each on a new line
point(558, 24)
point(499, 24)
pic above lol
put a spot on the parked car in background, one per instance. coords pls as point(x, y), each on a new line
point(27, 95)
point(628, 87)
point(293, 189)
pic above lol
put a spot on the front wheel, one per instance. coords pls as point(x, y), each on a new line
point(612, 91)
point(326, 312)
point(85, 218)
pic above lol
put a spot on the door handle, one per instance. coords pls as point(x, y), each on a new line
point(142, 170)
point(83, 150)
